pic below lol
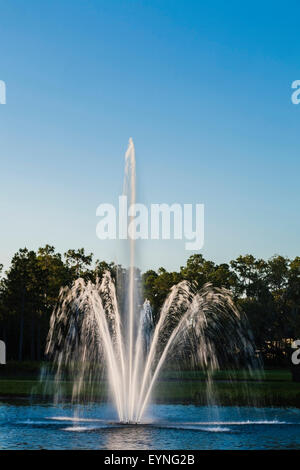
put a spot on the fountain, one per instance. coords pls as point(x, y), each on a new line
point(93, 331)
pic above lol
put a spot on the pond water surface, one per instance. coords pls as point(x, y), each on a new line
point(165, 427)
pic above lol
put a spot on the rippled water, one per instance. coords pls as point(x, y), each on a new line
point(166, 427)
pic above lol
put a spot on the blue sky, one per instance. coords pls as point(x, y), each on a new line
point(204, 89)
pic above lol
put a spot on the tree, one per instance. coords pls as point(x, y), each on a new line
point(23, 295)
point(56, 274)
point(267, 291)
point(102, 266)
point(292, 293)
point(157, 286)
point(197, 269)
point(77, 261)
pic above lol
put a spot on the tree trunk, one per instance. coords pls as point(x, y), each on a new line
point(32, 352)
point(21, 335)
point(4, 334)
point(38, 342)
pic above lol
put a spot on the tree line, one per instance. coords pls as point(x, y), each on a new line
point(267, 291)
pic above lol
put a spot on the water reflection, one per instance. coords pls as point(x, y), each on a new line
point(128, 437)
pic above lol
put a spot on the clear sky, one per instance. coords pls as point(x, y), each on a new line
point(204, 89)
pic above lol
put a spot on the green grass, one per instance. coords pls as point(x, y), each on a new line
point(274, 388)
point(31, 370)
point(21, 370)
point(235, 393)
point(35, 388)
point(242, 375)
point(19, 387)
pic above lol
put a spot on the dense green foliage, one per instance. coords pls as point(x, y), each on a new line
point(267, 291)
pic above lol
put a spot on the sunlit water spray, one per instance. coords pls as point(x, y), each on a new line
point(91, 333)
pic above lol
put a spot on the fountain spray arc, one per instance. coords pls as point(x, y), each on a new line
point(90, 332)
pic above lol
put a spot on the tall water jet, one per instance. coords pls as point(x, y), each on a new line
point(92, 331)
point(130, 189)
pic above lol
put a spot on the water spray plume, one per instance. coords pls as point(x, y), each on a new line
point(92, 331)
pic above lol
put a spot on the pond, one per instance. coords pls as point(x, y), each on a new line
point(165, 427)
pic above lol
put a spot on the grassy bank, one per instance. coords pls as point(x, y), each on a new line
point(263, 393)
point(273, 388)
